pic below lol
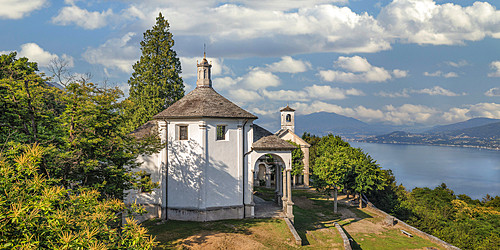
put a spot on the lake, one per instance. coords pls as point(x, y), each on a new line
point(470, 171)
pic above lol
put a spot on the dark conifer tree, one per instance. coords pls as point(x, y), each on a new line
point(155, 83)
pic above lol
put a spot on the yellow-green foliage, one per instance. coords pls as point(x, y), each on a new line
point(36, 214)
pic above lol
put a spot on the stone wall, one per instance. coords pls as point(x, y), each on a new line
point(393, 220)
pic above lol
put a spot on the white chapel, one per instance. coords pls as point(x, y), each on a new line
point(206, 170)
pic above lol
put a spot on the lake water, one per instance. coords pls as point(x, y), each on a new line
point(470, 171)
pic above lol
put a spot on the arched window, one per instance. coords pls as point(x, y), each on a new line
point(288, 118)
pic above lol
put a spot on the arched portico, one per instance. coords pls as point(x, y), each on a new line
point(283, 191)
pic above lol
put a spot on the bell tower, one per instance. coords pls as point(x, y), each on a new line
point(288, 118)
point(204, 73)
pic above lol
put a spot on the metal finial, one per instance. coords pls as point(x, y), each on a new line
point(204, 50)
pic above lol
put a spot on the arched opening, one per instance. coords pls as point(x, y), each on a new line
point(288, 118)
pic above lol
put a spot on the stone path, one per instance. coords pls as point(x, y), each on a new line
point(266, 209)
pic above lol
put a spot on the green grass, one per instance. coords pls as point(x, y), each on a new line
point(315, 226)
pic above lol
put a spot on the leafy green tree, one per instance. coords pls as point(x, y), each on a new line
point(297, 157)
point(155, 83)
point(37, 214)
point(28, 106)
point(367, 174)
point(332, 165)
point(313, 141)
point(98, 153)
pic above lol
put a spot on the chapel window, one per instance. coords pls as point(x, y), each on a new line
point(288, 118)
point(183, 132)
point(221, 132)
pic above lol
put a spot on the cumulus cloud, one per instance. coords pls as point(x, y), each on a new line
point(19, 8)
point(328, 93)
point(400, 73)
point(243, 95)
point(493, 92)
point(403, 93)
point(82, 17)
point(495, 66)
point(359, 70)
point(36, 54)
point(278, 28)
point(224, 82)
point(405, 114)
point(258, 79)
point(460, 63)
point(441, 74)
point(436, 90)
point(116, 53)
point(425, 22)
point(286, 95)
point(488, 110)
point(289, 65)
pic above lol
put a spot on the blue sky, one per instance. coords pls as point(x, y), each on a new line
point(399, 62)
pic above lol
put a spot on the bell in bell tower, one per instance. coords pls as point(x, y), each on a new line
point(288, 118)
point(204, 73)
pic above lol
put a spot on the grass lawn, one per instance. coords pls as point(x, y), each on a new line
point(314, 222)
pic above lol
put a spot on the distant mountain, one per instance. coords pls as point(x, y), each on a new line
point(474, 122)
point(489, 131)
point(485, 136)
point(322, 123)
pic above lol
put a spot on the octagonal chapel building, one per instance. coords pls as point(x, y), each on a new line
point(206, 170)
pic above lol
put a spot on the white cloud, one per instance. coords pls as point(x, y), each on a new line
point(488, 110)
point(458, 64)
point(400, 73)
point(495, 66)
point(493, 92)
point(82, 17)
point(425, 22)
point(326, 92)
point(436, 90)
point(289, 65)
point(257, 79)
point(403, 93)
point(405, 114)
point(224, 83)
point(437, 73)
point(17, 9)
point(116, 53)
point(286, 95)
point(441, 74)
point(36, 54)
point(360, 71)
point(450, 74)
point(243, 95)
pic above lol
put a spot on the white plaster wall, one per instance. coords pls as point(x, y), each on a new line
point(224, 171)
point(150, 165)
point(185, 166)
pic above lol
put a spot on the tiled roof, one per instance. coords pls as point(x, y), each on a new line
point(204, 102)
point(282, 132)
point(147, 128)
point(287, 108)
point(265, 140)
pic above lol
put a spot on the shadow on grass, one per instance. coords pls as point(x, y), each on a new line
point(171, 233)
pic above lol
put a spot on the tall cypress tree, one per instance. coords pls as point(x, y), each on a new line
point(155, 83)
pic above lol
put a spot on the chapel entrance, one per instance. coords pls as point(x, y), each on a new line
point(271, 172)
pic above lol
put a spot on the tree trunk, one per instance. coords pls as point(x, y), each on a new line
point(347, 193)
point(335, 201)
point(360, 201)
